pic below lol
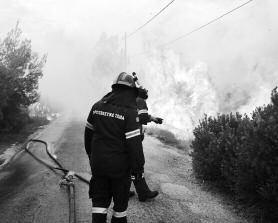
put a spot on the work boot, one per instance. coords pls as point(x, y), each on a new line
point(99, 218)
point(118, 220)
point(143, 191)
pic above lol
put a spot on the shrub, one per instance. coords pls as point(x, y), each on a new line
point(241, 153)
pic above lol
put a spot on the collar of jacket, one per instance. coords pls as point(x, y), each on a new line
point(121, 97)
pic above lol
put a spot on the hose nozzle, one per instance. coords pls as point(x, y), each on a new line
point(135, 78)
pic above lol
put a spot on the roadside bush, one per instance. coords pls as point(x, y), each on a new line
point(215, 146)
point(241, 154)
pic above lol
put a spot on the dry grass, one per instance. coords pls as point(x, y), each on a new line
point(8, 139)
point(168, 138)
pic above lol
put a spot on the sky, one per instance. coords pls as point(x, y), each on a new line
point(230, 65)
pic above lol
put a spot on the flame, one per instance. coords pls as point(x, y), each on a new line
point(179, 94)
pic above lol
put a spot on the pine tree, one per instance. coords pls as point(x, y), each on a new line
point(20, 70)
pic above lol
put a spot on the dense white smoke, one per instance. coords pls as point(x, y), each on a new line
point(253, 90)
point(179, 94)
point(183, 92)
point(229, 66)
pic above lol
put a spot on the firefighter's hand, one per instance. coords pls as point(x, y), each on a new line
point(157, 120)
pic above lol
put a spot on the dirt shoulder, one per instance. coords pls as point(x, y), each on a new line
point(9, 139)
point(182, 199)
point(29, 192)
point(11, 143)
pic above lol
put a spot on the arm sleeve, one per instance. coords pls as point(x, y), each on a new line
point(143, 115)
point(134, 143)
point(89, 132)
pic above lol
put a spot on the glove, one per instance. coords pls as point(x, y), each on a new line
point(143, 93)
point(157, 120)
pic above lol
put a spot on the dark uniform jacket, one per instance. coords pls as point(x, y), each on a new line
point(112, 136)
point(143, 115)
point(142, 108)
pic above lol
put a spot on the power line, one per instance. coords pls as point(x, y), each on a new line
point(152, 18)
point(203, 26)
point(200, 27)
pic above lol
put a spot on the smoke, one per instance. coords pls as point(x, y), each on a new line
point(237, 71)
point(228, 66)
point(179, 94)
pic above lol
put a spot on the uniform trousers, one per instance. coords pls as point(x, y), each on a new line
point(103, 189)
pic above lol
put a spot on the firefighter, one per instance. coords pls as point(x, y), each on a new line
point(142, 189)
point(142, 107)
point(113, 144)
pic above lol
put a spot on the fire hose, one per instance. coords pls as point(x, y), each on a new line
point(67, 179)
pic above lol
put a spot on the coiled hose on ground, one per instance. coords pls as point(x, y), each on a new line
point(67, 178)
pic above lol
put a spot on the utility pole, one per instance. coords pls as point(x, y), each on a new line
point(125, 55)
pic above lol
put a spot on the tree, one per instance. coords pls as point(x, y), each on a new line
point(20, 70)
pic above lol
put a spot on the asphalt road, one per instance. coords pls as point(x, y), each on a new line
point(31, 193)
